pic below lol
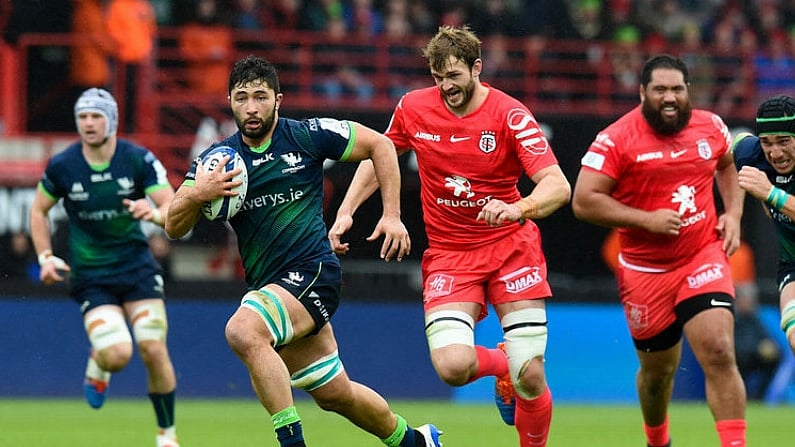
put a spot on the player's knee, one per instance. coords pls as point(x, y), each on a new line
point(149, 322)
point(533, 381)
point(318, 374)
point(525, 343)
point(238, 336)
point(455, 364)
point(717, 353)
point(273, 312)
point(451, 339)
point(111, 340)
point(114, 358)
point(152, 352)
point(337, 396)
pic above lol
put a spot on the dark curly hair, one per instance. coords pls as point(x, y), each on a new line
point(254, 69)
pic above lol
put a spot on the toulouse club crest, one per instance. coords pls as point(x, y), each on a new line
point(488, 141)
point(704, 150)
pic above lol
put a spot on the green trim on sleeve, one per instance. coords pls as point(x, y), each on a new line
point(740, 136)
point(351, 142)
point(41, 188)
point(154, 188)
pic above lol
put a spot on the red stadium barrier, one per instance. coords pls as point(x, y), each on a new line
point(554, 78)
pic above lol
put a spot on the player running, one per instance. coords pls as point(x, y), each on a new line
point(282, 330)
point(651, 174)
point(104, 183)
point(766, 163)
point(473, 143)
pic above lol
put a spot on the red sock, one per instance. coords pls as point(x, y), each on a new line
point(533, 418)
point(491, 362)
point(659, 435)
point(731, 432)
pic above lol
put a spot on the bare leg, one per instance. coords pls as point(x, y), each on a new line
point(711, 335)
point(655, 383)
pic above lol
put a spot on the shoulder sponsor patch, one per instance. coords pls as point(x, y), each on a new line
point(594, 160)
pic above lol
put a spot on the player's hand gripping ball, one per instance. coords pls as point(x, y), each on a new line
point(224, 208)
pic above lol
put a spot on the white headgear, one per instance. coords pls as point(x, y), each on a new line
point(100, 101)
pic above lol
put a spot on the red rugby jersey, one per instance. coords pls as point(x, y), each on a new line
point(466, 161)
point(655, 171)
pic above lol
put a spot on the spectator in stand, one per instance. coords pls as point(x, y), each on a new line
point(89, 64)
point(423, 19)
point(339, 79)
point(626, 60)
point(543, 18)
point(284, 15)
point(495, 51)
point(731, 83)
point(396, 20)
point(207, 46)
point(702, 76)
point(397, 29)
point(774, 67)
point(497, 17)
point(767, 18)
point(363, 18)
point(670, 20)
point(586, 18)
point(749, 45)
point(316, 14)
point(616, 14)
point(132, 25)
point(164, 12)
point(248, 16)
point(454, 13)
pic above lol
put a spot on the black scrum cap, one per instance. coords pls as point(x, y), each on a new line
point(776, 115)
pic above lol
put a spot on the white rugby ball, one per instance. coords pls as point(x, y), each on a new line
point(224, 208)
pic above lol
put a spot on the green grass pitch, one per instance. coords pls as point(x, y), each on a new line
point(205, 423)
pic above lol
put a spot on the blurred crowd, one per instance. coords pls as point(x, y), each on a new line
point(751, 43)
point(674, 21)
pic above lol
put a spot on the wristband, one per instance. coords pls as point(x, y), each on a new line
point(46, 257)
point(788, 318)
point(777, 198)
point(43, 257)
point(528, 207)
point(157, 217)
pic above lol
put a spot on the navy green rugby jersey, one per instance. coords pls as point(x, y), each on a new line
point(748, 152)
point(104, 239)
point(281, 222)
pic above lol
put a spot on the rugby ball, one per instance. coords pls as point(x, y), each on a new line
point(224, 208)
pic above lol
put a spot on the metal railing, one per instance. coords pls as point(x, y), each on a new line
point(553, 77)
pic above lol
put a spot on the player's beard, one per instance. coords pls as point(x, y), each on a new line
point(267, 123)
point(466, 95)
point(658, 122)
